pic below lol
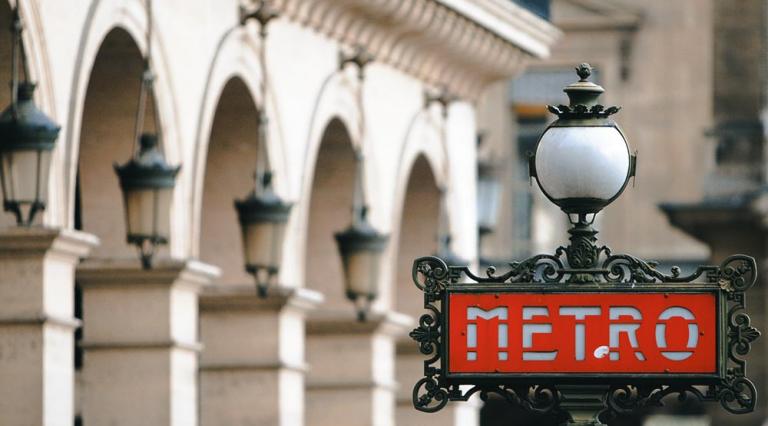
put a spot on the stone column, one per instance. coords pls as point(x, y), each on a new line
point(140, 341)
point(351, 379)
point(252, 366)
point(37, 324)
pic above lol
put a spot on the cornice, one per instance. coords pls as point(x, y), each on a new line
point(461, 45)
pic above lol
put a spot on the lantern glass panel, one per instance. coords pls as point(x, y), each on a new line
point(361, 270)
point(148, 212)
point(582, 162)
point(262, 243)
point(44, 168)
point(25, 175)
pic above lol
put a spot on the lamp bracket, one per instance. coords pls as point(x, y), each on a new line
point(442, 97)
point(360, 57)
point(263, 14)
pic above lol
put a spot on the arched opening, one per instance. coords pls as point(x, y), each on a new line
point(229, 169)
point(417, 237)
point(106, 138)
point(418, 233)
point(329, 212)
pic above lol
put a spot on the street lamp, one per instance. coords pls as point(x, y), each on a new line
point(361, 247)
point(582, 163)
point(147, 183)
point(27, 139)
point(579, 376)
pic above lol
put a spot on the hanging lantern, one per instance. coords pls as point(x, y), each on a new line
point(147, 182)
point(27, 139)
point(361, 247)
point(263, 217)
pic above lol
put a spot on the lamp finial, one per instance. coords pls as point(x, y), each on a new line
point(584, 70)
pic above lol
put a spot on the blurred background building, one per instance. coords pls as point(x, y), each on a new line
point(690, 77)
point(456, 92)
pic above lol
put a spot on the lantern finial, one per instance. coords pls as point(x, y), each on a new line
point(584, 70)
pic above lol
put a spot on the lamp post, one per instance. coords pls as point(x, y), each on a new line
point(582, 163)
point(27, 139)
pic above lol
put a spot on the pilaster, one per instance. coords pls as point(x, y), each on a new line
point(252, 368)
point(352, 379)
point(140, 341)
point(37, 323)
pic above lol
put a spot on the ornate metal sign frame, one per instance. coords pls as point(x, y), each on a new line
point(543, 394)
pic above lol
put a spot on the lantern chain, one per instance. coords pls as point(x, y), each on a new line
point(146, 91)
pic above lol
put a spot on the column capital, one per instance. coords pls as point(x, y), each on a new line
point(128, 272)
point(37, 323)
point(31, 241)
point(391, 323)
point(244, 298)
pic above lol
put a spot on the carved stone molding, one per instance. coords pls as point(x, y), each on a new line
point(457, 44)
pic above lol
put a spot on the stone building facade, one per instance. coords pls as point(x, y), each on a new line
point(188, 342)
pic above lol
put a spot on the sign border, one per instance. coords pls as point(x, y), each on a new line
point(583, 378)
point(624, 393)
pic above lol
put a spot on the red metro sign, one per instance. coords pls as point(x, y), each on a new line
point(609, 333)
point(541, 333)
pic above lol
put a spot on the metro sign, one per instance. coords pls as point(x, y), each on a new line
point(610, 333)
point(541, 330)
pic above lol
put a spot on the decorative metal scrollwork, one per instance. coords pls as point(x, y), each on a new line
point(735, 275)
point(582, 111)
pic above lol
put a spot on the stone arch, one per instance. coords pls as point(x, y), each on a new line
point(235, 58)
point(229, 167)
point(329, 211)
point(107, 137)
point(336, 103)
point(415, 236)
point(103, 18)
point(424, 145)
point(417, 232)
